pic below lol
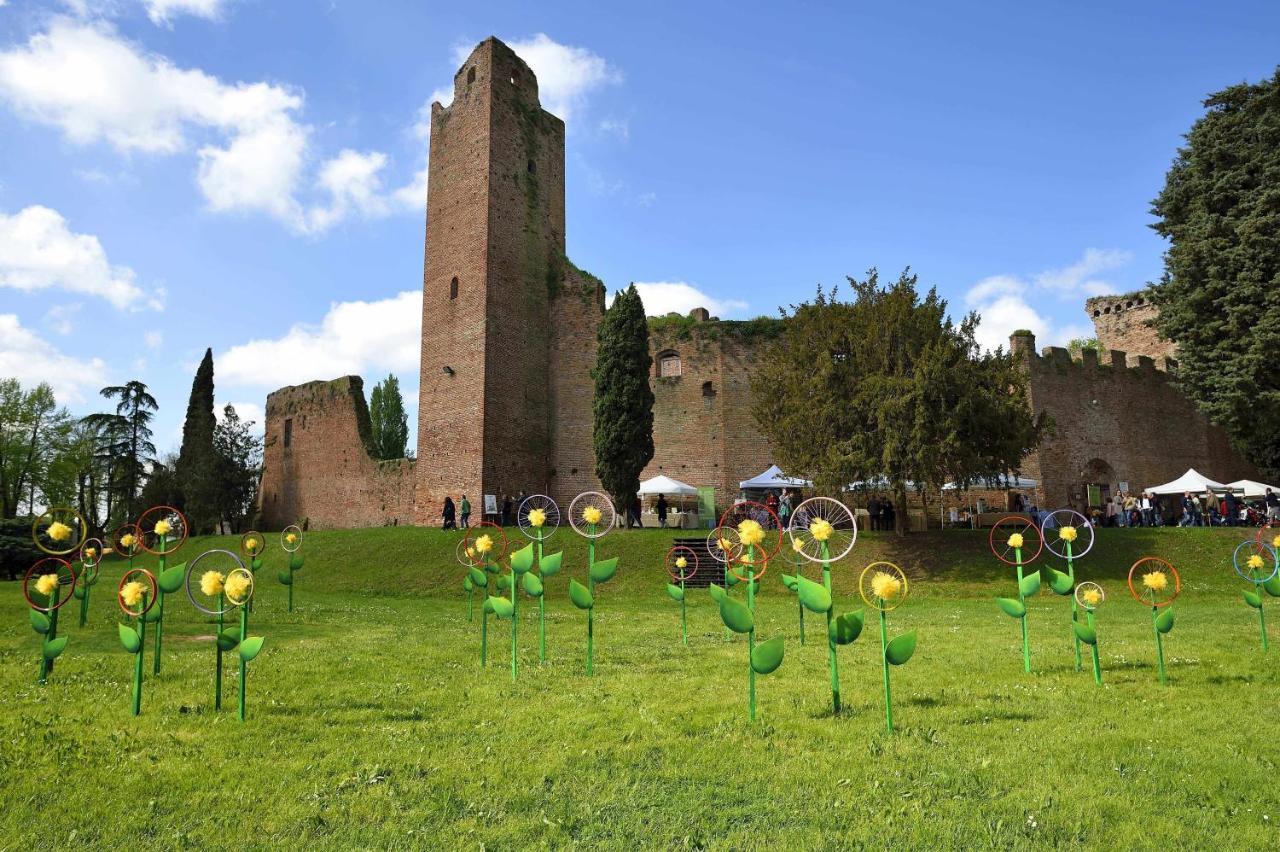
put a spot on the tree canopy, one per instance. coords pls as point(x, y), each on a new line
point(1219, 298)
point(195, 469)
point(623, 402)
point(886, 385)
point(389, 424)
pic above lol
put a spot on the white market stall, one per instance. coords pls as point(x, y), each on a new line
point(681, 516)
point(773, 479)
point(1252, 488)
point(1193, 481)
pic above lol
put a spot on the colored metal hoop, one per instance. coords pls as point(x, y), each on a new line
point(292, 529)
point(120, 532)
point(601, 501)
point(872, 600)
point(549, 507)
point(248, 596)
point(151, 598)
point(176, 536)
point(1002, 552)
point(253, 536)
point(844, 529)
point(761, 514)
point(496, 536)
point(690, 568)
point(67, 517)
point(1089, 585)
point(66, 577)
point(717, 538)
point(191, 574)
point(1156, 561)
point(89, 563)
point(1244, 571)
point(1066, 518)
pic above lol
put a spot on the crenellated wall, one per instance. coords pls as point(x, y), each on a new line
point(1118, 418)
point(1126, 322)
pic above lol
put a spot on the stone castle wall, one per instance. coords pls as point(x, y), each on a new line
point(1125, 323)
point(316, 468)
point(1119, 418)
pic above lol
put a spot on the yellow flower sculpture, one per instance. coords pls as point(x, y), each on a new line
point(58, 531)
point(292, 538)
point(797, 544)
point(1275, 542)
point(90, 552)
point(484, 544)
point(682, 563)
point(724, 544)
point(1091, 596)
point(132, 593)
point(1015, 540)
point(885, 586)
point(1255, 562)
point(1156, 581)
point(471, 553)
point(126, 541)
point(163, 527)
point(251, 545)
point(750, 532)
point(537, 518)
point(46, 584)
point(591, 515)
point(236, 586)
point(1067, 533)
point(821, 529)
point(211, 583)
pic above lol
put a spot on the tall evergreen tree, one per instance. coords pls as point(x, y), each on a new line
point(1219, 299)
point(239, 460)
point(195, 476)
point(389, 424)
point(126, 437)
point(623, 403)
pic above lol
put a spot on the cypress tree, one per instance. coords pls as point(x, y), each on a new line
point(389, 424)
point(197, 462)
point(623, 403)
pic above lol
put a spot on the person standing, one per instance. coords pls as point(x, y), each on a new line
point(466, 512)
point(662, 511)
point(784, 509)
point(449, 514)
point(1145, 507)
point(1273, 505)
point(1229, 505)
point(873, 511)
point(506, 510)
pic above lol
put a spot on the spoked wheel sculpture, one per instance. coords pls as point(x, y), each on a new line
point(164, 530)
point(883, 586)
point(46, 580)
point(538, 517)
point(1008, 541)
point(217, 583)
point(291, 541)
point(488, 544)
point(90, 558)
point(1069, 536)
point(1088, 597)
point(136, 595)
point(824, 530)
point(1257, 564)
point(592, 516)
point(1158, 587)
point(682, 564)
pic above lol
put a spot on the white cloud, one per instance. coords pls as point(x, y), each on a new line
point(1009, 302)
point(566, 74)
point(664, 297)
point(252, 149)
point(245, 411)
point(27, 357)
point(38, 251)
point(353, 337)
point(161, 12)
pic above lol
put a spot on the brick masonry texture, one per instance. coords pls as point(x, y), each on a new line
point(505, 400)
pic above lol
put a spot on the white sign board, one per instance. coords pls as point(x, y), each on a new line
point(491, 504)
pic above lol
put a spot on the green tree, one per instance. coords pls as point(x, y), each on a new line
point(239, 454)
point(194, 483)
point(31, 429)
point(124, 438)
point(389, 424)
point(887, 386)
point(1219, 299)
point(1077, 345)
point(623, 402)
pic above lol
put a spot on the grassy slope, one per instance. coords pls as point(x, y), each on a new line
point(371, 723)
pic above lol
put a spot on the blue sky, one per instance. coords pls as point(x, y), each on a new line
point(247, 175)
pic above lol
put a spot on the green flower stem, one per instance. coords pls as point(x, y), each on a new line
point(291, 589)
point(1097, 664)
point(1155, 613)
point(484, 638)
point(84, 599)
point(1026, 646)
point(1075, 607)
point(159, 621)
point(728, 634)
point(1262, 621)
point(46, 666)
point(515, 620)
point(471, 602)
point(800, 604)
point(137, 662)
point(542, 604)
point(591, 587)
point(244, 666)
point(751, 635)
point(684, 624)
point(832, 664)
point(217, 644)
point(884, 662)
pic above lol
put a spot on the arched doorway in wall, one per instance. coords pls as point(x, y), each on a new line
point(1092, 485)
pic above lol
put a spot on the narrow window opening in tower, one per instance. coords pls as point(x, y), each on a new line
point(288, 431)
point(708, 389)
point(533, 167)
point(471, 75)
point(453, 288)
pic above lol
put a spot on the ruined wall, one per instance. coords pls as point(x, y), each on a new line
point(1125, 323)
point(703, 431)
point(1118, 419)
point(316, 466)
point(576, 313)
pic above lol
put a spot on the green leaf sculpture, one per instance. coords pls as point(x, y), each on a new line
point(883, 586)
point(816, 598)
point(548, 566)
point(538, 517)
point(763, 659)
point(1003, 544)
point(592, 516)
point(682, 565)
point(137, 595)
point(1061, 534)
point(291, 541)
point(484, 547)
point(1257, 562)
point(1088, 597)
point(1158, 587)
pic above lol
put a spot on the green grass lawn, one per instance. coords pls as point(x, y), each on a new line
point(372, 724)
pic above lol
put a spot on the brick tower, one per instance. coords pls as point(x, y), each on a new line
point(494, 278)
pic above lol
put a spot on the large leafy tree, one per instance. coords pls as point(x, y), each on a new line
point(623, 403)
point(887, 386)
point(32, 428)
point(125, 437)
point(1219, 299)
point(239, 465)
point(389, 424)
point(193, 480)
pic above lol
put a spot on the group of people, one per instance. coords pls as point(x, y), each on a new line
point(456, 516)
point(1189, 510)
point(882, 512)
point(1128, 510)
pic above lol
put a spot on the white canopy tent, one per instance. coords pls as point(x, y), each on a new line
point(1253, 488)
point(1193, 481)
point(771, 479)
point(666, 485)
